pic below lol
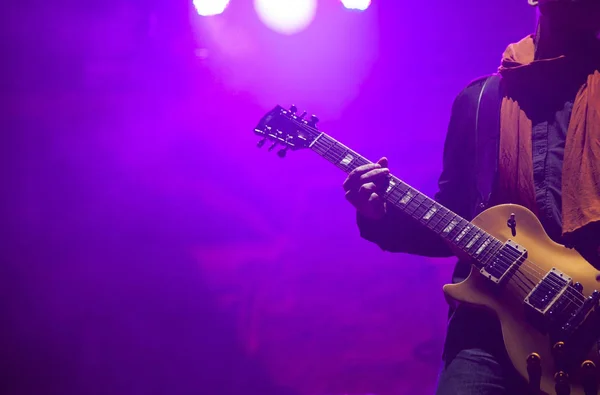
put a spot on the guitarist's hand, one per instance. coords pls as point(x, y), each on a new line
point(363, 186)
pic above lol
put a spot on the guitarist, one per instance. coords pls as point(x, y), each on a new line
point(544, 155)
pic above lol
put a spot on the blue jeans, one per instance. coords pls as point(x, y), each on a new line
point(475, 361)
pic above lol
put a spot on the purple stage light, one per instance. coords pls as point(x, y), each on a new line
point(359, 5)
point(210, 7)
point(286, 16)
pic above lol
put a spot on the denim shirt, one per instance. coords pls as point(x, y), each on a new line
point(548, 146)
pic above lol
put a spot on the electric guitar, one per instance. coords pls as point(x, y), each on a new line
point(543, 294)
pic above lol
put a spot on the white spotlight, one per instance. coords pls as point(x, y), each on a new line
point(286, 16)
point(359, 5)
point(210, 7)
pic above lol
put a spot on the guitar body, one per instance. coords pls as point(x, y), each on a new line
point(520, 338)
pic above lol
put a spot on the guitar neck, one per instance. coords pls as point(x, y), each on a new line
point(460, 233)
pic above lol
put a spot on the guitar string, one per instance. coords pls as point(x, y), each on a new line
point(519, 273)
point(348, 167)
point(569, 291)
point(528, 290)
point(532, 267)
point(527, 262)
point(341, 152)
point(570, 295)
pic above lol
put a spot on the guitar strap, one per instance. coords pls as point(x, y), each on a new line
point(487, 140)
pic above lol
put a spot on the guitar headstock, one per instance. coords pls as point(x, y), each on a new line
point(287, 129)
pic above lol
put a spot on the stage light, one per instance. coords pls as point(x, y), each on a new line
point(359, 5)
point(210, 7)
point(286, 16)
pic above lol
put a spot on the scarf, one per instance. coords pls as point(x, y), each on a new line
point(581, 163)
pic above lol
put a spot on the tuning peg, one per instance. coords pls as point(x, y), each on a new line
point(303, 115)
point(313, 121)
point(293, 109)
point(281, 153)
point(261, 142)
point(272, 146)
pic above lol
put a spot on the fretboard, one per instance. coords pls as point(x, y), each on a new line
point(478, 244)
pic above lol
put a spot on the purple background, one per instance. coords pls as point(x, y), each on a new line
point(148, 247)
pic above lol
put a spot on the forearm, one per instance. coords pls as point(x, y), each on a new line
point(396, 232)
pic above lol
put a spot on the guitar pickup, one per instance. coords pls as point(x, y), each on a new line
point(548, 303)
point(505, 261)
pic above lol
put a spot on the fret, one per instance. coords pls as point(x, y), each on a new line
point(341, 153)
point(430, 211)
point(407, 197)
point(414, 204)
point(493, 251)
point(490, 252)
point(482, 249)
point(319, 145)
point(329, 144)
point(423, 208)
point(444, 221)
point(316, 147)
point(477, 241)
point(342, 167)
point(443, 215)
point(335, 153)
point(452, 225)
point(484, 242)
point(326, 140)
point(401, 196)
point(361, 161)
point(394, 191)
point(343, 156)
point(467, 233)
point(450, 228)
point(470, 238)
point(356, 162)
point(460, 230)
point(438, 218)
point(347, 159)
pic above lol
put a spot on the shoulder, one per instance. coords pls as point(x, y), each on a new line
point(473, 90)
point(466, 102)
